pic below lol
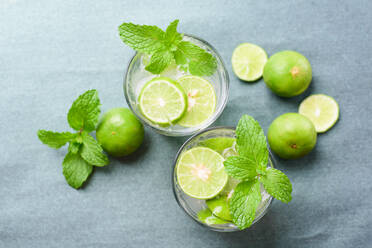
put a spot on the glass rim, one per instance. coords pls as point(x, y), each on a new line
point(199, 128)
point(233, 229)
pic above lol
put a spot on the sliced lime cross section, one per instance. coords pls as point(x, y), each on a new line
point(248, 61)
point(322, 110)
point(201, 173)
point(201, 100)
point(162, 101)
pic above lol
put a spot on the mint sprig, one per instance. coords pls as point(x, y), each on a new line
point(84, 151)
point(250, 166)
point(166, 47)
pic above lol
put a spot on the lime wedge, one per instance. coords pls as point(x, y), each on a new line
point(322, 110)
point(207, 217)
point(201, 173)
point(201, 100)
point(162, 101)
point(248, 61)
point(218, 144)
point(220, 207)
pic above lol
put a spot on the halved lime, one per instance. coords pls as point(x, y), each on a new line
point(207, 217)
point(162, 101)
point(322, 110)
point(201, 173)
point(248, 61)
point(201, 100)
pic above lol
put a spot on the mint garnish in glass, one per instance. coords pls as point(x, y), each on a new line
point(250, 166)
point(164, 47)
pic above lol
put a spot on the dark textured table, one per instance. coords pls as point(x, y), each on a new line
point(52, 51)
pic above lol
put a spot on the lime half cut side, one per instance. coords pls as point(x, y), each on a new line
point(162, 101)
point(201, 173)
point(322, 110)
point(248, 61)
point(201, 100)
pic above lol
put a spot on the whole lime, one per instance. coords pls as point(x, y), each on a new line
point(287, 73)
point(291, 136)
point(119, 132)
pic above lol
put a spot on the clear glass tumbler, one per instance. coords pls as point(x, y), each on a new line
point(136, 77)
point(191, 205)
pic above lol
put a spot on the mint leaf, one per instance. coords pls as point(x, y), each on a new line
point(277, 184)
point(76, 170)
point(251, 140)
point(91, 151)
point(84, 112)
point(159, 61)
point(200, 62)
point(54, 139)
point(74, 147)
point(240, 168)
point(244, 202)
point(142, 38)
point(172, 36)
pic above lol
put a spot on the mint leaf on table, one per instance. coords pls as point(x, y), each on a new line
point(54, 139)
point(244, 202)
point(85, 111)
point(159, 61)
point(84, 151)
point(277, 184)
point(76, 170)
point(91, 151)
point(251, 140)
point(142, 38)
point(164, 47)
point(240, 167)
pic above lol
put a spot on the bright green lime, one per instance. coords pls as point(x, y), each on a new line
point(322, 110)
point(287, 73)
point(220, 207)
point(119, 132)
point(218, 144)
point(201, 173)
point(201, 100)
point(207, 217)
point(248, 61)
point(291, 136)
point(162, 101)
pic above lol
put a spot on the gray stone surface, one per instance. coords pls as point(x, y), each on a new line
point(52, 51)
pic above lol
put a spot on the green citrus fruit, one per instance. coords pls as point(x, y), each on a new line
point(291, 136)
point(119, 132)
point(287, 73)
point(207, 217)
point(220, 207)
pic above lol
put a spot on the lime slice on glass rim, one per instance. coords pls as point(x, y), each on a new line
point(201, 100)
point(201, 173)
point(248, 61)
point(162, 101)
point(322, 110)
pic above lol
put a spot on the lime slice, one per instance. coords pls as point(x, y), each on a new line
point(201, 100)
point(220, 207)
point(218, 144)
point(200, 173)
point(248, 61)
point(322, 110)
point(162, 101)
point(230, 186)
point(207, 217)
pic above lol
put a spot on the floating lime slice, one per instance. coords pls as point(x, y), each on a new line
point(207, 217)
point(248, 61)
point(220, 207)
point(201, 100)
point(162, 101)
point(218, 144)
point(201, 173)
point(322, 110)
